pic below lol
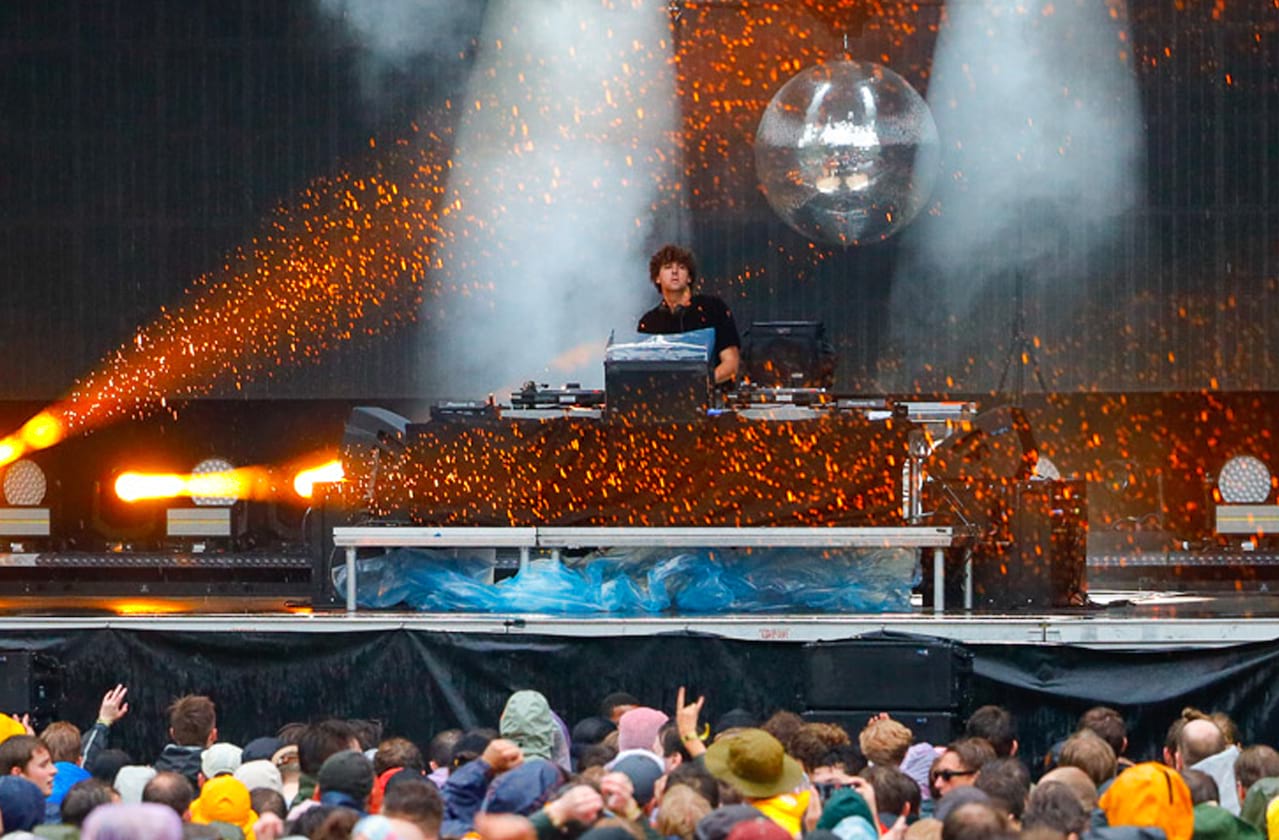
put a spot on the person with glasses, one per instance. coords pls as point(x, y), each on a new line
point(958, 765)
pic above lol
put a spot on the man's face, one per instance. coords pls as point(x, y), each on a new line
point(40, 770)
point(949, 772)
point(673, 277)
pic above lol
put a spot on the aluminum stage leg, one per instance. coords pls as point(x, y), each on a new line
point(939, 581)
point(350, 578)
point(968, 581)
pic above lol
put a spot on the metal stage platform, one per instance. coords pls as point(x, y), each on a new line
point(1116, 620)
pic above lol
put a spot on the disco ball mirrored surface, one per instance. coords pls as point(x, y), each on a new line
point(847, 153)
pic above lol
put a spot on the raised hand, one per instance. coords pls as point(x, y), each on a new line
point(502, 755)
point(686, 720)
point(113, 706)
point(580, 804)
point(619, 795)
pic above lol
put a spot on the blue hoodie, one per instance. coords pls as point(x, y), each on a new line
point(68, 775)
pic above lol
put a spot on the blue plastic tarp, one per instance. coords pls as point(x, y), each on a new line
point(645, 581)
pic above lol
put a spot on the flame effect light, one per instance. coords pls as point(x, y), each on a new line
point(242, 483)
point(304, 482)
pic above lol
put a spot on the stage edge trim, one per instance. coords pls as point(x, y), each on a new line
point(1091, 632)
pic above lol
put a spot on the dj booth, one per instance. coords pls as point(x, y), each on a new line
point(660, 461)
point(818, 477)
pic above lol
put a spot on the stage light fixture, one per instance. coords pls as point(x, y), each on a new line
point(211, 467)
point(24, 484)
point(1244, 480)
point(788, 354)
point(24, 490)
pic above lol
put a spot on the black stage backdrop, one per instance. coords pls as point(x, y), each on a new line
point(419, 682)
point(144, 142)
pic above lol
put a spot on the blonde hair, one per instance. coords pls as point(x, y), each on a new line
point(885, 741)
point(682, 808)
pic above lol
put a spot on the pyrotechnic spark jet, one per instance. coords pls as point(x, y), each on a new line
point(351, 260)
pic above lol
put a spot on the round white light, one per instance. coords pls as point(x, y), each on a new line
point(211, 466)
point(24, 484)
point(1244, 480)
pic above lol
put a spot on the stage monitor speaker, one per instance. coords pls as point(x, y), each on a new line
point(927, 727)
point(1034, 557)
point(30, 683)
point(788, 354)
point(886, 673)
point(998, 446)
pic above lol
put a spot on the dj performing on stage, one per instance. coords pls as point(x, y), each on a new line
point(683, 487)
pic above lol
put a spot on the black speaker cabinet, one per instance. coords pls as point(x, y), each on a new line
point(327, 512)
point(1035, 554)
point(30, 683)
point(886, 673)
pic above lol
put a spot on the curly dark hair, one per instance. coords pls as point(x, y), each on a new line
point(672, 254)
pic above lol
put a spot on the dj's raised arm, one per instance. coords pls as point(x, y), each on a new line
point(674, 272)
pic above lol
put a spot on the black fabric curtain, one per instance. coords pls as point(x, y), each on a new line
point(418, 682)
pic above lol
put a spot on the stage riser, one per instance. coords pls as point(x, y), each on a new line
point(419, 682)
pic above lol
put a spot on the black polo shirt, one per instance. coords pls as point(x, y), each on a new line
point(702, 311)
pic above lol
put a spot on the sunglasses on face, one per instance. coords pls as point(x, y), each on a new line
point(947, 775)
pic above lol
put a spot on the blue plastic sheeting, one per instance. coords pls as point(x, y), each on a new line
point(691, 346)
point(644, 581)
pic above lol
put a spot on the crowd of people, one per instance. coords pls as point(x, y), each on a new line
point(633, 772)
